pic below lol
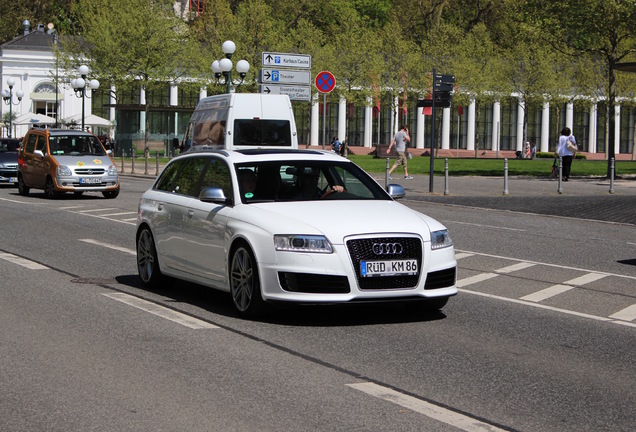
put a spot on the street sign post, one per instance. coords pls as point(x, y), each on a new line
point(285, 76)
point(273, 59)
point(295, 92)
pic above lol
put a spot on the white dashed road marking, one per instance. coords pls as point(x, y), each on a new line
point(110, 246)
point(163, 312)
point(431, 410)
point(627, 314)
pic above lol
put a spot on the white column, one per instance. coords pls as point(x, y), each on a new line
point(496, 126)
point(446, 118)
point(470, 126)
point(545, 128)
point(617, 129)
point(173, 99)
point(591, 142)
point(112, 99)
point(368, 122)
point(314, 122)
point(395, 118)
point(569, 115)
point(520, 114)
point(342, 119)
point(142, 114)
point(631, 136)
point(203, 93)
point(419, 141)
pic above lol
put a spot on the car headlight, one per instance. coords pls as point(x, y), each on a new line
point(63, 170)
point(302, 243)
point(1, 165)
point(112, 170)
point(440, 239)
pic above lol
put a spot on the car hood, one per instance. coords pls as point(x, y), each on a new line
point(85, 161)
point(11, 157)
point(338, 219)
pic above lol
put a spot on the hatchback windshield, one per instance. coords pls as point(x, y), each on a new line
point(75, 145)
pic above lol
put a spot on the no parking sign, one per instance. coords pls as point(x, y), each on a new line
point(325, 82)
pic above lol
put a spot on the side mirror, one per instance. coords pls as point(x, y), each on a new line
point(214, 195)
point(396, 191)
point(38, 153)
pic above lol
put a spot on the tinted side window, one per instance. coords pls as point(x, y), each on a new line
point(41, 144)
point(166, 180)
point(217, 174)
point(188, 182)
point(30, 145)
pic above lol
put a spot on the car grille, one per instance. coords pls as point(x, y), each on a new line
point(441, 279)
point(89, 171)
point(313, 283)
point(362, 250)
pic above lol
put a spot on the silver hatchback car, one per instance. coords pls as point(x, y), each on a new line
point(295, 226)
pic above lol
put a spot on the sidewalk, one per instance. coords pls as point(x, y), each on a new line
point(583, 198)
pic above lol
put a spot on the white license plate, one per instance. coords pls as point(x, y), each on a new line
point(407, 267)
point(90, 181)
point(13, 179)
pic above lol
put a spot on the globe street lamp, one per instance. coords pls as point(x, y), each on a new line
point(81, 86)
point(224, 66)
point(7, 96)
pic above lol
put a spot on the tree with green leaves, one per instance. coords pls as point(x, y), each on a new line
point(130, 43)
point(605, 29)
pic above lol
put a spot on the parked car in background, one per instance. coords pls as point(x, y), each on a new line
point(297, 226)
point(63, 160)
point(9, 148)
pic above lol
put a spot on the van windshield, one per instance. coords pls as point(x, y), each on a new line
point(75, 145)
point(262, 133)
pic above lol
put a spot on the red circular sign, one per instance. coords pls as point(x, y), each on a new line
point(325, 82)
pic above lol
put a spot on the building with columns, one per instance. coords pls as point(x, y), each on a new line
point(29, 59)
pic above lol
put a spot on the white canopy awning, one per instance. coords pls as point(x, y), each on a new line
point(32, 118)
point(89, 120)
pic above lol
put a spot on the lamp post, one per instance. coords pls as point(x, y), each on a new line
point(7, 96)
point(224, 66)
point(81, 85)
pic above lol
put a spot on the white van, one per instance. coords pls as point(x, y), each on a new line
point(242, 120)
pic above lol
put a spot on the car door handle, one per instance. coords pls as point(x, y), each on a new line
point(190, 213)
point(160, 206)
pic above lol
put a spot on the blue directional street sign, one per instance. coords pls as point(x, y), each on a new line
point(285, 76)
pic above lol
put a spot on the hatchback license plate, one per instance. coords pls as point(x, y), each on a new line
point(407, 267)
point(90, 181)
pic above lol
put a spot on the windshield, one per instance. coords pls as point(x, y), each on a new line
point(10, 146)
point(262, 133)
point(306, 181)
point(75, 145)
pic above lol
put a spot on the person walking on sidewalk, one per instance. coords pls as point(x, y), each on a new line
point(566, 153)
point(400, 140)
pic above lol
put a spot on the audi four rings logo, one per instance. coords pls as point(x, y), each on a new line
point(387, 248)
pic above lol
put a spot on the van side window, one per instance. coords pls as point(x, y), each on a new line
point(30, 145)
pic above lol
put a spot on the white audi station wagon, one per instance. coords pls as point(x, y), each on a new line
point(298, 226)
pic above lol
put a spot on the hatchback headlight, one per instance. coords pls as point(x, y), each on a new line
point(440, 239)
point(112, 170)
point(302, 243)
point(63, 170)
